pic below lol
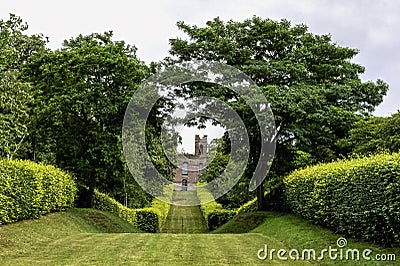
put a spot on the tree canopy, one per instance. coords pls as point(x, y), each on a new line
point(15, 94)
point(373, 135)
point(314, 89)
point(81, 92)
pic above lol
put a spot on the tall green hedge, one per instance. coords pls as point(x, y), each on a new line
point(359, 197)
point(29, 190)
point(148, 219)
point(213, 212)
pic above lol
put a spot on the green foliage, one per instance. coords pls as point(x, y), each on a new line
point(358, 197)
point(273, 195)
point(213, 212)
point(29, 190)
point(303, 159)
point(250, 206)
point(218, 217)
point(161, 207)
point(15, 94)
point(237, 196)
point(81, 93)
point(219, 156)
point(158, 148)
point(314, 89)
point(216, 167)
point(238, 193)
point(148, 219)
point(15, 98)
point(373, 135)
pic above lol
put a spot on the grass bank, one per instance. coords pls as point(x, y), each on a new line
point(81, 237)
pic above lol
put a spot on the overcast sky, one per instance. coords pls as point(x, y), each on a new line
point(373, 27)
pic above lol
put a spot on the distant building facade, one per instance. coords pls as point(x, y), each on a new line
point(191, 165)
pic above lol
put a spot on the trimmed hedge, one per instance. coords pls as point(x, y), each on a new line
point(359, 197)
point(29, 190)
point(250, 206)
point(148, 219)
point(213, 212)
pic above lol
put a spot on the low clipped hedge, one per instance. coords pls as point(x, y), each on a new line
point(29, 190)
point(148, 219)
point(359, 197)
point(250, 206)
point(213, 212)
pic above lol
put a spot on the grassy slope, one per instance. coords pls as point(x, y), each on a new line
point(242, 223)
point(68, 238)
point(300, 234)
point(23, 238)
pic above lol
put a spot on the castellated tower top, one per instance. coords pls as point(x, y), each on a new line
point(200, 145)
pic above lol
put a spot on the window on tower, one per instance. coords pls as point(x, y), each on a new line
point(185, 168)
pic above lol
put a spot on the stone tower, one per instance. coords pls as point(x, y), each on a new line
point(191, 165)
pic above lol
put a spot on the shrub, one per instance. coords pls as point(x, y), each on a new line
point(358, 197)
point(273, 196)
point(213, 212)
point(161, 207)
point(148, 219)
point(29, 190)
point(219, 217)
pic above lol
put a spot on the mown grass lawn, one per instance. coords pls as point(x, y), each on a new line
point(185, 220)
point(74, 238)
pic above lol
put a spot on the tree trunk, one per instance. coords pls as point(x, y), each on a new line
point(90, 197)
point(262, 206)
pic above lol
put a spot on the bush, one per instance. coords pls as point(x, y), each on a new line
point(148, 219)
point(29, 190)
point(161, 207)
point(273, 197)
point(358, 197)
point(213, 212)
point(219, 217)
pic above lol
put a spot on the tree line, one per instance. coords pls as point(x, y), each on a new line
point(66, 106)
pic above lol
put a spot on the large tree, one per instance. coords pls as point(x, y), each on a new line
point(15, 95)
point(81, 92)
point(314, 89)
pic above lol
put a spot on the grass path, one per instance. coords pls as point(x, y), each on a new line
point(185, 219)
